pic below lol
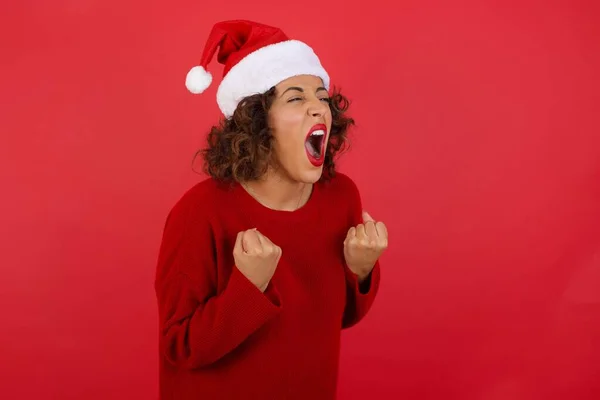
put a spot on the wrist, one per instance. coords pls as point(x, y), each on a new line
point(362, 277)
point(361, 273)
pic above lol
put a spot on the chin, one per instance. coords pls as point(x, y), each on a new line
point(311, 175)
point(305, 169)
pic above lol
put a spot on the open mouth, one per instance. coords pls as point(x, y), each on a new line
point(315, 144)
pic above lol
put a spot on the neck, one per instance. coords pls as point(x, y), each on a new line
point(278, 193)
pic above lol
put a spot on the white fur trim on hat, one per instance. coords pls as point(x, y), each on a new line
point(266, 67)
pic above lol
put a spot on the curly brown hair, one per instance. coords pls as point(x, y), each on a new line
point(240, 147)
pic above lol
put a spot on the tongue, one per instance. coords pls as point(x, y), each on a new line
point(313, 145)
point(310, 148)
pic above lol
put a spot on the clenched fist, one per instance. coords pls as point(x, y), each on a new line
point(256, 257)
point(364, 244)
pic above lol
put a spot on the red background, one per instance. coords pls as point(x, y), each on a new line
point(478, 143)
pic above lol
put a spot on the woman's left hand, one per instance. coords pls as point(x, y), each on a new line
point(364, 245)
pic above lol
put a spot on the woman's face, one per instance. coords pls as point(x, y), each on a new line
point(300, 120)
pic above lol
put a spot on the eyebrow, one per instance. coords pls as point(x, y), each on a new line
point(299, 89)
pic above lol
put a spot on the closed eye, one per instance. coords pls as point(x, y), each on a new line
point(325, 99)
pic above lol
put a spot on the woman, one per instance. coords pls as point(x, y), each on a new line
point(265, 262)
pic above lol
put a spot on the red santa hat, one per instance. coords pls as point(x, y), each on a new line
point(256, 57)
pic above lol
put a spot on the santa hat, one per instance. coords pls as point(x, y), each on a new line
point(256, 57)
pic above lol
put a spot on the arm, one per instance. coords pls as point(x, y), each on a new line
point(197, 325)
point(360, 294)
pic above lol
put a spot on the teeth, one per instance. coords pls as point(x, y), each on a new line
point(318, 133)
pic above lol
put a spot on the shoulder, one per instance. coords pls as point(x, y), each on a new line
point(342, 185)
point(198, 202)
point(205, 191)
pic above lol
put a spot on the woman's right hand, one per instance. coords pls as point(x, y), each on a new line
point(256, 257)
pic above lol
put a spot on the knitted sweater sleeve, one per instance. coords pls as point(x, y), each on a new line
point(199, 324)
point(359, 296)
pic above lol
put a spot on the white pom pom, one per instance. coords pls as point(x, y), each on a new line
point(198, 80)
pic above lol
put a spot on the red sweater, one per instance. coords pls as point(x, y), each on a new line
point(222, 338)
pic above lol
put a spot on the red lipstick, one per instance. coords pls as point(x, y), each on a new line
point(315, 143)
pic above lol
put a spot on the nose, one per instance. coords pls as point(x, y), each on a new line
point(317, 107)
